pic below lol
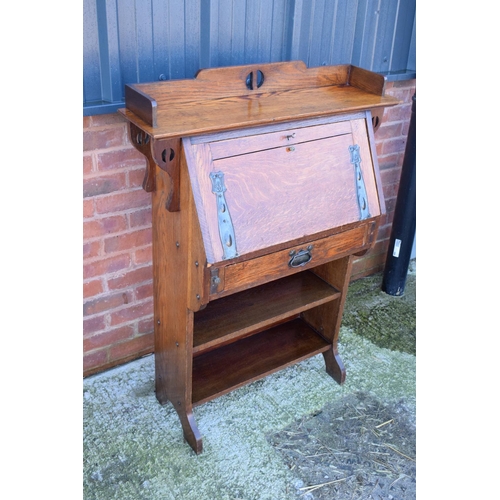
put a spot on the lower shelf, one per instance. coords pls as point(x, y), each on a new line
point(229, 367)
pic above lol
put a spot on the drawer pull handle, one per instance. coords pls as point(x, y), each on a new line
point(300, 258)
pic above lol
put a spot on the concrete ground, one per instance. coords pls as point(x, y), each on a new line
point(134, 448)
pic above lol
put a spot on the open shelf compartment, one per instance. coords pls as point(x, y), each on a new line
point(236, 316)
point(221, 370)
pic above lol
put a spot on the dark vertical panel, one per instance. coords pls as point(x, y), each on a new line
point(128, 41)
point(109, 49)
point(252, 22)
point(316, 32)
point(301, 29)
point(365, 33)
point(343, 32)
point(384, 36)
point(176, 39)
point(144, 40)
point(226, 32)
point(412, 52)
point(205, 33)
point(91, 61)
point(160, 11)
point(192, 16)
point(237, 33)
point(402, 41)
point(328, 31)
point(265, 30)
point(278, 31)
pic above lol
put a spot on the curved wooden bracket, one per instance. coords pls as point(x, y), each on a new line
point(165, 154)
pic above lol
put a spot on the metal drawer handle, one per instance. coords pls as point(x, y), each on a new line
point(300, 258)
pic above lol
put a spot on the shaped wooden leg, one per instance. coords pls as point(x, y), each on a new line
point(334, 365)
point(190, 429)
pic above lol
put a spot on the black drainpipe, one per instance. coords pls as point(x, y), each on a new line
point(404, 224)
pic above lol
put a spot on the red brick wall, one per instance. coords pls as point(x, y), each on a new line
point(117, 254)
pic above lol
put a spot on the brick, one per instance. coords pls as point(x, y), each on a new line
point(101, 304)
point(136, 177)
point(384, 232)
point(108, 119)
point(394, 145)
point(92, 361)
point(91, 325)
point(131, 278)
point(91, 249)
point(131, 313)
point(132, 348)
point(398, 113)
point(388, 161)
point(141, 217)
point(143, 255)
point(144, 291)
point(92, 288)
point(390, 190)
point(88, 208)
point(104, 184)
point(146, 326)
point(390, 176)
point(127, 241)
point(106, 266)
point(400, 93)
point(390, 204)
point(123, 159)
point(107, 338)
point(103, 138)
point(105, 226)
point(88, 164)
point(122, 201)
point(388, 131)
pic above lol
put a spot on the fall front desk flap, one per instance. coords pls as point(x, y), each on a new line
point(261, 190)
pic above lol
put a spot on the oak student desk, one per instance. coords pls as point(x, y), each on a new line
point(265, 184)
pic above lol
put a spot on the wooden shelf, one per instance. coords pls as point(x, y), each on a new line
point(222, 370)
point(291, 91)
point(258, 308)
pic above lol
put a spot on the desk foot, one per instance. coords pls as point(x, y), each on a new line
point(334, 366)
point(190, 429)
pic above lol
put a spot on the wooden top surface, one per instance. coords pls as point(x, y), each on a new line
point(218, 99)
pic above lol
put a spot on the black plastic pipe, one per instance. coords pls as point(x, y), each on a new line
point(404, 223)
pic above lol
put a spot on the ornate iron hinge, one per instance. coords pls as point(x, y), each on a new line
point(364, 213)
point(226, 230)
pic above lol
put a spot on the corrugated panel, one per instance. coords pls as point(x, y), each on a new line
point(128, 41)
point(373, 34)
point(243, 32)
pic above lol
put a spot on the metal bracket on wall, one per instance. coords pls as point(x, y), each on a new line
point(226, 230)
point(360, 185)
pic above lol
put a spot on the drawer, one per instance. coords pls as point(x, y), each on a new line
point(287, 137)
point(249, 273)
point(268, 189)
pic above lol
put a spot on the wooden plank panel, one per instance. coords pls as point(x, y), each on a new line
point(253, 310)
point(293, 135)
point(222, 370)
point(283, 194)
